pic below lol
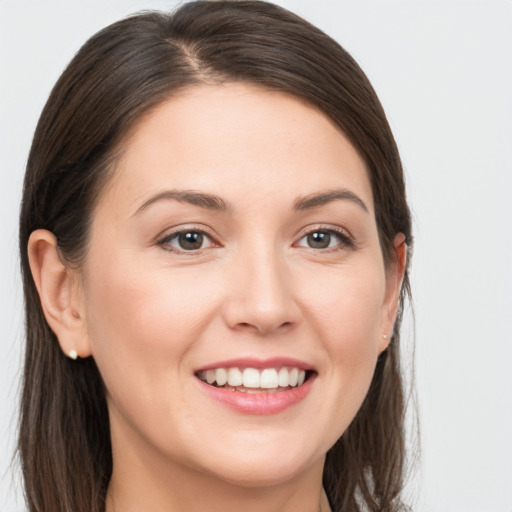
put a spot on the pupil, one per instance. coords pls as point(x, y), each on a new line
point(319, 240)
point(191, 240)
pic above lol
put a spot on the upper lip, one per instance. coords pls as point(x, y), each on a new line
point(251, 362)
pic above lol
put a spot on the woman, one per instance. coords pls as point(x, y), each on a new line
point(214, 238)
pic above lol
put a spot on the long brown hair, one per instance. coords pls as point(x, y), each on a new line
point(119, 75)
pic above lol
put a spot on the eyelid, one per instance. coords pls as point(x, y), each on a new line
point(168, 234)
point(347, 241)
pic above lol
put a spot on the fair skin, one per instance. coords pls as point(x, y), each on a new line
point(265, 273)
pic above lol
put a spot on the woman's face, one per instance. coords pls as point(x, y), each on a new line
point(237, 240)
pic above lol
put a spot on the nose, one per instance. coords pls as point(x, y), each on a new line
point(261, 298)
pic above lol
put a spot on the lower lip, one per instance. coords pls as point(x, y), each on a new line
point(258, 403)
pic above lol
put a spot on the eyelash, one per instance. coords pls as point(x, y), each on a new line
point(345, 241)
point(165, 241)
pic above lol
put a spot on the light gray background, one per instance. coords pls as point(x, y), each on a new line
point(443, 70)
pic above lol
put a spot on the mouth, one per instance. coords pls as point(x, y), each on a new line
point(257, 387)
point(256, 380)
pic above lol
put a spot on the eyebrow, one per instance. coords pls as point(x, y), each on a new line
point(316, 200)
point(216, 203)
point(207, 201)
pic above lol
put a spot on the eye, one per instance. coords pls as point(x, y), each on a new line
point(186, 241)
point(325, 239)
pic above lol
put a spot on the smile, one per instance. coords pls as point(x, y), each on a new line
point(254, 380)
point(255, 386)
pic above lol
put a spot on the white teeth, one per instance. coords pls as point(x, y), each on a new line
point(252, 378)
point(269, 378)
point(293, 377)
point(283, 378)
point(210, 376)
point(234, 377)
point(221, 376)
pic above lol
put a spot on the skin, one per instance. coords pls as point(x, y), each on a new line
point(151, 313)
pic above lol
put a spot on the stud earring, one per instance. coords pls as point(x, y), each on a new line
point(72, 354)
point(387, 338)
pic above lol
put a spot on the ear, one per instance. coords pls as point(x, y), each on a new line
point(60, 294)
point(394, 277)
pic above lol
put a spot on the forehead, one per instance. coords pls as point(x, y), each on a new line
point(236, 139)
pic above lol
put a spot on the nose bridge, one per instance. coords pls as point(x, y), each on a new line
point(263, 299)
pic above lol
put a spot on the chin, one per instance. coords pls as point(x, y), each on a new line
point(262, 467)
point(260, 474)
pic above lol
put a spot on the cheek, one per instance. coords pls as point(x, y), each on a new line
point(347, 311)
point(144, 327)
point(346, 318)
point(142, 306)
point(138, 319)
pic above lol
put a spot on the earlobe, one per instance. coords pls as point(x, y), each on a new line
point(59, 293)
point(394, 279)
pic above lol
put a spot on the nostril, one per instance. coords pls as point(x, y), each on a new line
point(246, 326)
point(264, 328)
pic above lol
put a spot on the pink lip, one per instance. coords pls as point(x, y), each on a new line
point(258, 403)
point(251, 362)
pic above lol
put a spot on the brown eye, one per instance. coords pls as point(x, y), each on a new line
point(326, 239)
point(186, 241)
point(190, 241)
point(319, 240)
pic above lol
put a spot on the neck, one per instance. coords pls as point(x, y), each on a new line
point(144, 484)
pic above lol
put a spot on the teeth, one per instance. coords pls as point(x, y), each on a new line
point(293, 377)
point(283, 378)
point(234, 377)
point(221, 376)
point(210, 376)
point(251, 378)
point(269, 379)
